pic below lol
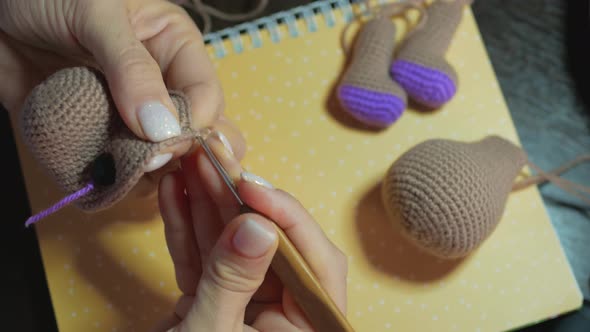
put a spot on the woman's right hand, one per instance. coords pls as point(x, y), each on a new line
point(222, 258)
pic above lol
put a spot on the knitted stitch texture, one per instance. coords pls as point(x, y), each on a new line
point(420, 66)
point(366, 91)
point(448, 196)
point(70, 120)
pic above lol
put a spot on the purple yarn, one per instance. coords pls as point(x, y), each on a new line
point(371, 107)
point(67, 200)
point(425, 85)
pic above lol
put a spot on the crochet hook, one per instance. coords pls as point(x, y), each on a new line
point(292, 269)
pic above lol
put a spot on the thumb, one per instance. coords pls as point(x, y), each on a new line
point(236, 268)
point(134, 77)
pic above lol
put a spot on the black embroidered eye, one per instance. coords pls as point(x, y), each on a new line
point(103, 170)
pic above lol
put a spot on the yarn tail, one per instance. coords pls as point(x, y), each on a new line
point(59, 205)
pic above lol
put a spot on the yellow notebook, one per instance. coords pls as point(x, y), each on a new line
point(111, 271)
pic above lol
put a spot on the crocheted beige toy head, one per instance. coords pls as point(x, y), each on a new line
point(448, 196)
point(73, 129)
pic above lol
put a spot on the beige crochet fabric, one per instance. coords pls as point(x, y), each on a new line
point(367, 91)
point(448, 196)
point(69, 121)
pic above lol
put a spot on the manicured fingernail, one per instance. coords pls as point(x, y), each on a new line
point(157, 162)
point(221, 137)
point(157, 122)
point(249, 177)
point(253, 239)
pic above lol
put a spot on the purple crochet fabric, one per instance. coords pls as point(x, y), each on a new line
point(427, 86)
point(371, 107)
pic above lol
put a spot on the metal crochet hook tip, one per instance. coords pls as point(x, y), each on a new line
point(219, 167)
point(291, 268)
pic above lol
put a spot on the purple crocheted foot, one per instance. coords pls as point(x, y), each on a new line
point(371, 107)
point(425, 85)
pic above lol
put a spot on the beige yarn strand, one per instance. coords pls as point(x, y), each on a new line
point(206, 12)
point(580, 191)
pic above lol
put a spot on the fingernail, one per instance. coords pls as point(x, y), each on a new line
point(157, 122)
point(221, 137)
point(157, 162)
point(253, 239)
point(249, 177)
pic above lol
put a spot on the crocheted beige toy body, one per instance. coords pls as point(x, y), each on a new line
point(74, 130)
point(448, 196)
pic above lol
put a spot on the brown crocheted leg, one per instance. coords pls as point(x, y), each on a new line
point(366, 91)
point(420, 67)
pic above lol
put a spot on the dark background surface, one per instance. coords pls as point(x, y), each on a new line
point(540, 52)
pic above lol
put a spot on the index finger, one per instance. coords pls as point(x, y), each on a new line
point(177, 45)
point(325, 259)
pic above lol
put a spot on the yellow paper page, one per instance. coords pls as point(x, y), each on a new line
point(111, 271)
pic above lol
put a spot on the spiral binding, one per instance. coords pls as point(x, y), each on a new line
point(309, 13)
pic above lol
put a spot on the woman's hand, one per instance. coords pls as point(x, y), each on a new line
point(222, 258)
point(144, 48)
